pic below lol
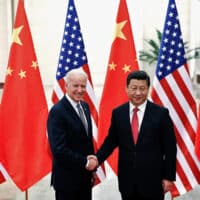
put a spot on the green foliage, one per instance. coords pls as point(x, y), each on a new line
point(150, 56)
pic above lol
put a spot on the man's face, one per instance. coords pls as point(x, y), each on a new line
point(76, 88)
point(137, 91)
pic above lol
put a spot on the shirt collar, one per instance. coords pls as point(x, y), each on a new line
point(74, 103)
point(140, 107)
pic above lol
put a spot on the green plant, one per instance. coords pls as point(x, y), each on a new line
point(150, 56)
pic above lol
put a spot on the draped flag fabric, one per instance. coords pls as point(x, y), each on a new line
point(73, 55)
point(172, 88)
point(24, 147)
point(122, 61)
point(2, 179)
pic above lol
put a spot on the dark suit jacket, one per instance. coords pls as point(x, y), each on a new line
point(70, 145)
point(152, 159)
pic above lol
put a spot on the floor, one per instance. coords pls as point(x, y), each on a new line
point(107, 190)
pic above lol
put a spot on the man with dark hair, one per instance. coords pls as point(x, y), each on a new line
point(144, 134)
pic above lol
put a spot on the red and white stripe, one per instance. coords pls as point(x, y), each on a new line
point(175, 93)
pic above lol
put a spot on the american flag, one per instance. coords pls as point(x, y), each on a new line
point(172, 87)
point(73, 55)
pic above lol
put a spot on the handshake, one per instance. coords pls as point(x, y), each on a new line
point(92, 162)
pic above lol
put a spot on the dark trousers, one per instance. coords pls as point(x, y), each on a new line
point(136, 195)
point(85, 192)
point(139, 197)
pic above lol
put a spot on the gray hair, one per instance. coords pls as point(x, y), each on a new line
point(72, 72)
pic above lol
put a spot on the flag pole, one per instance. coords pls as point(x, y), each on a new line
point(26, 195)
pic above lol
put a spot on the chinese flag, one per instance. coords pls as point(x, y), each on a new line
point(24, 147)
point(197, 139)
point(121, 62)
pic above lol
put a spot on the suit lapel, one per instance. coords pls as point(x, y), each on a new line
point(146, 120)
point(127, 118)
point(125, 121)
point(69, 108)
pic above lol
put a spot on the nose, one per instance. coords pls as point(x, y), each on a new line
point(138, 92)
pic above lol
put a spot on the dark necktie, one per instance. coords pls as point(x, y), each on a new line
point(135, 125)
point(82, 116)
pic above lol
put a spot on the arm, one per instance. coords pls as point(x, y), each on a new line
point(169, 148)
point(61, 151)
point(110, 142)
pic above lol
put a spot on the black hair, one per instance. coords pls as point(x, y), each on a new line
point(139, 75)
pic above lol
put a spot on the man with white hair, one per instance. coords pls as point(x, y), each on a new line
point(70, 136)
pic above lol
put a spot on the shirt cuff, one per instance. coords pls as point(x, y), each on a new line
point(87, 164)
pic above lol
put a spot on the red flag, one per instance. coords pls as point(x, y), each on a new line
point(23, 113)
point(77, 58)
point(122, 61)
point(197, 140)
point(172, 88)
point(2, 179)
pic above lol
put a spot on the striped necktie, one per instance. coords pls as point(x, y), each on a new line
point(82, 116)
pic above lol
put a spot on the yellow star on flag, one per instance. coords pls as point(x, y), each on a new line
point(112, 66)
point(118, 31)
point(22, 74)
point(9, 71)
point(15, 35)
point(34, 64)
point(126, 68)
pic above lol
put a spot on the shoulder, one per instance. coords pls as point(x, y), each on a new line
point(121, 108)
point(156, 107)
point(58, 106)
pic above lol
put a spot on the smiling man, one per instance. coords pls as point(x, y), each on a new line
point(70, 137)
point(144, 133)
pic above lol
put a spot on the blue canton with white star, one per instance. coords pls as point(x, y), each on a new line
point(172, 54)
point(72, 54)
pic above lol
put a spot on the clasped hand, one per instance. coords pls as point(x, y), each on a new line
point(92, 163)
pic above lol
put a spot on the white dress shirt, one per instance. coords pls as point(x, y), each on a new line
point(73, 103)
point(140, 112)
